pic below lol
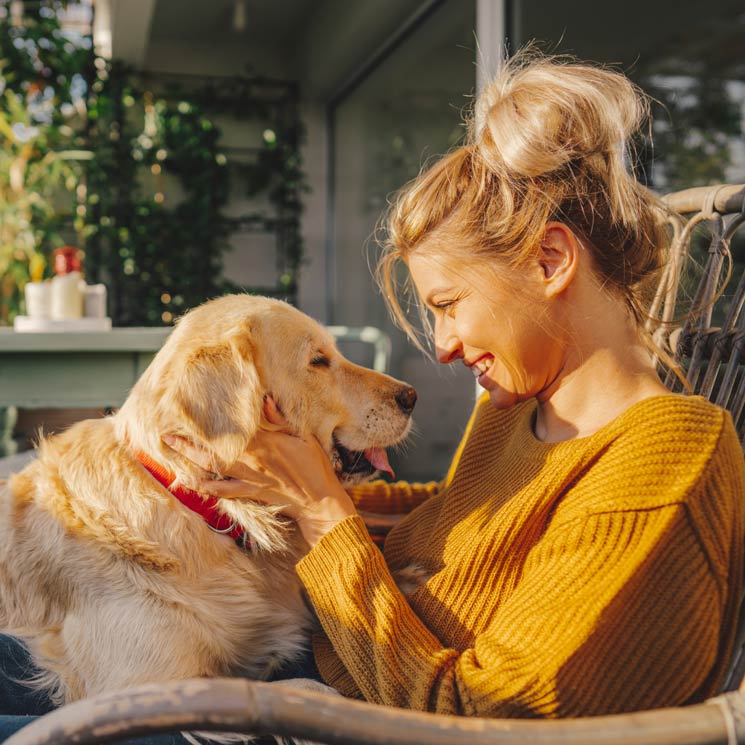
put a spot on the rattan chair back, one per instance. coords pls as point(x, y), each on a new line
point(709, 343)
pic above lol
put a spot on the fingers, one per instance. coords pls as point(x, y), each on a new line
point(274, 449)
point(272, 412)
point(243, 490)
point(230, 489)
point(273, 457)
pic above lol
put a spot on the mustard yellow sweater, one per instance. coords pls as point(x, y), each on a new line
point(584, 577)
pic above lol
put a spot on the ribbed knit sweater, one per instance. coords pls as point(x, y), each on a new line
point(590, 576)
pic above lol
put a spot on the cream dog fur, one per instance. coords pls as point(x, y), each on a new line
point(111, 581)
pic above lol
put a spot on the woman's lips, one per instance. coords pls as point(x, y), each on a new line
point(481, 367)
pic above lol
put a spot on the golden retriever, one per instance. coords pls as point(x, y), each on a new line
point(110, 580)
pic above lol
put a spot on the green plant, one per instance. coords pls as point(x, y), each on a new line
point(158, 256)
point(32, 175)
point(41, 89)
point(158, 233)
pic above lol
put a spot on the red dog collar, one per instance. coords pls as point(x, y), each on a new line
point(205, 507)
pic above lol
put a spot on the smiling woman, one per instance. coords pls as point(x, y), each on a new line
point(488, 321)
point(584, 553)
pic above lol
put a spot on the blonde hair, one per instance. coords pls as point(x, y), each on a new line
point(548, 140)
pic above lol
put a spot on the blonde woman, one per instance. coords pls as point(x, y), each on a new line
point(584, 554)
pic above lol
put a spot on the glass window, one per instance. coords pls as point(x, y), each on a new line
point(408, 110)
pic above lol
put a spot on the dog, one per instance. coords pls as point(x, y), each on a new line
point(111, 581)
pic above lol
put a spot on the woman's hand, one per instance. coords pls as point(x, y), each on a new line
point(280, 469)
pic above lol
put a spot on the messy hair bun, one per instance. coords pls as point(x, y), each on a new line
point(539, 117)
point(548, 140)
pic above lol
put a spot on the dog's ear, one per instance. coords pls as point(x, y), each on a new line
point(221, 398)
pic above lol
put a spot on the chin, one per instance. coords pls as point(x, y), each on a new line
point(502, 399)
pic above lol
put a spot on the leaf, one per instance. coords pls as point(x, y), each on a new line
point(6, 129)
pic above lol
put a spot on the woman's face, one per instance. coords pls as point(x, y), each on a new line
point(500, 325)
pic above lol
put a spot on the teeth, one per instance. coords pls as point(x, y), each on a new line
point(481, 366)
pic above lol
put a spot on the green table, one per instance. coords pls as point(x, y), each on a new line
point(70, 370)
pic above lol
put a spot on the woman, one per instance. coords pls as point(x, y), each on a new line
point(584, 553)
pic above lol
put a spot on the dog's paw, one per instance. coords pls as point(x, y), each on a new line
point(410, 578)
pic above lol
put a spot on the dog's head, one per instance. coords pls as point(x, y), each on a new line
point(210, 380)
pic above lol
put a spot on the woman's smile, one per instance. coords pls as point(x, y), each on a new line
point(480, 368)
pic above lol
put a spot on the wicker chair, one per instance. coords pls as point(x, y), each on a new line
point(714, 360)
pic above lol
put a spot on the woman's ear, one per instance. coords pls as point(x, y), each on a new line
point(559, 255)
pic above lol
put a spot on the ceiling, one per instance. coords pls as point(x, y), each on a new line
point(651, 34)
point(212, 22)
point(318, 42)
point(321, 43)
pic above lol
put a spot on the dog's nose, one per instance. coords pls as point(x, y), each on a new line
point(406, 398)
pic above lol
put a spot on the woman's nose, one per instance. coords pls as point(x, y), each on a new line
point(447, 345)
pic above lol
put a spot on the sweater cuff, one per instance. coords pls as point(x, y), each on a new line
point(339, 551)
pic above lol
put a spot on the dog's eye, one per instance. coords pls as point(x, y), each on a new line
point(320, 360)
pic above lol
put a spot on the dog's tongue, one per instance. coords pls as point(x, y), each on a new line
point(379, 458)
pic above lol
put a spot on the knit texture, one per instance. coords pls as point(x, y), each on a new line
point(584, 577)
point(392, 499)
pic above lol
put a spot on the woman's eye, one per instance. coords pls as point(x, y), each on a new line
point(320, 361)
point(444, 305)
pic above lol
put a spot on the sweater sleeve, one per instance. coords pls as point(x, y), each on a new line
point(613, 612)
point(392, 499)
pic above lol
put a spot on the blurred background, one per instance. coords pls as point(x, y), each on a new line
point(192, 148)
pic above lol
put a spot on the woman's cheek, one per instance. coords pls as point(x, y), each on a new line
point(471, 334)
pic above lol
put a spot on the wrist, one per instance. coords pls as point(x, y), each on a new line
point(326, 515)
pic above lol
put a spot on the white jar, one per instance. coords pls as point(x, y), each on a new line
point(38, 300)
point(67, 296)
point(94, 304)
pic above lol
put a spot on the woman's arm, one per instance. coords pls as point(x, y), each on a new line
point(383, 505)
point(615, 612)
